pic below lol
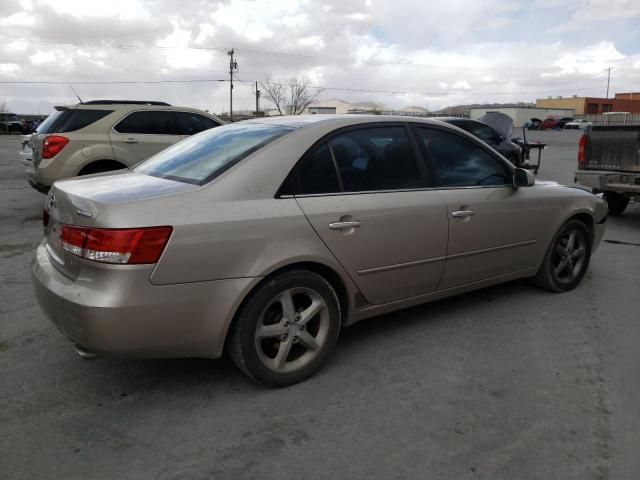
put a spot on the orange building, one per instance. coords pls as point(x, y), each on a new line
point(622, 102)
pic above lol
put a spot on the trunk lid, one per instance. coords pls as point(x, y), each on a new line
point(79, 201)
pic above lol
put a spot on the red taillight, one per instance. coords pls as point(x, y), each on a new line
point(52, 145)
point(125, 246)
point(582, 157)
point(45, 217)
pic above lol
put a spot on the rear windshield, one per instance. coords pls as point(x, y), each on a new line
point(206, 155)
point(71, 120)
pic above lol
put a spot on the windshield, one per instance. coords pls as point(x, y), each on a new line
point(206, 155)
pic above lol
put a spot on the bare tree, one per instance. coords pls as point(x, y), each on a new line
point(275, 94)
point(292, 98)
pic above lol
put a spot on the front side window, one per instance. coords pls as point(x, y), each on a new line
point(148, 122)
point(459, 162)
point(378, 158)
point(191, 123)
point(202, 157)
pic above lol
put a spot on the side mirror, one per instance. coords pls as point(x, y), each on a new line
point(523, 178)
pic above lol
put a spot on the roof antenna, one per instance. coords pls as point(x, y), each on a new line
point(74, 91)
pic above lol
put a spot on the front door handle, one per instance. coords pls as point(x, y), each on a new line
point(463, 213)
point(129, 140)
point(346, 224)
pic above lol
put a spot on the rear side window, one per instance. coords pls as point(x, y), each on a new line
point(376, 159)
point(71, 120)
point(459, 162)
point(201, 158)
point(192, 123)
point(149, 122)
point(317, 173)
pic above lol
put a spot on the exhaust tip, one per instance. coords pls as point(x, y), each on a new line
point(84, 353)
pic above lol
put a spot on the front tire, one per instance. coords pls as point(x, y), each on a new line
point(286, 329)
point(567, 259)
point(617, 202)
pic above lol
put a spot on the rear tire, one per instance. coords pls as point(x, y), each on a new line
point(567, 259)
point(617, 202)
point(286, 329)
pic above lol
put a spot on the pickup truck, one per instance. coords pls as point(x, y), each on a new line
point(609, 163)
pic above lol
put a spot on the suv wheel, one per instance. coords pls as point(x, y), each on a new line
point(101, 167)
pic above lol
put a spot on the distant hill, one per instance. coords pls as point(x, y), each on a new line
point(369, 106)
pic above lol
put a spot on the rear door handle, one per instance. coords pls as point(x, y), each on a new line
point(463, 213)
point(129, 140)
point(341, 225)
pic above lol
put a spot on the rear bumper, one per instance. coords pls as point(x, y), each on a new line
point(121, 313)
point(609, 181)
point(39, 186)
point(35, 179)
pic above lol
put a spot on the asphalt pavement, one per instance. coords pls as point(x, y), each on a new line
point(509, 382)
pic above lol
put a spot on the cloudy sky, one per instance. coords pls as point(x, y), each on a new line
point(430, 53)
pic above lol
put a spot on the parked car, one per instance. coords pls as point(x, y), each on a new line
point(578, 124)
point(104, 135)
point(609, 163)
point(484, 132)
point(554, 122)
point(534, 124)
point(9, 123)
point(263, 238)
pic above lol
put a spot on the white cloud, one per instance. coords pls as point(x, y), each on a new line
point(20, 19)
point(435, 53)
point(462, 85)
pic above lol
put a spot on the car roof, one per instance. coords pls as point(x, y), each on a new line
point(346, 119)
point(451, 119)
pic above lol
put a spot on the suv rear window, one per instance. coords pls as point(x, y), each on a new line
point(71, 120)
point(204, 156)
point(191, 123)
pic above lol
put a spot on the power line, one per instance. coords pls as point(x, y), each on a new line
point(341, 59)
point(111, 82)
point(315, 87)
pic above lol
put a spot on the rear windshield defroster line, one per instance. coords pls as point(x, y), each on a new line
point(202, 157)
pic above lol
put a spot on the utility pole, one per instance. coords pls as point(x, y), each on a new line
point(257, 99)
point(608, 81)
point(233, 65)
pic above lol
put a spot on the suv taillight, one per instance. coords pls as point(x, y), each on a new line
point(582, 158)
point(123, 245)
point(52, 145)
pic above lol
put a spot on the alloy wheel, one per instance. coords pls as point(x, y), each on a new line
point(569, 255)
point(292, 330)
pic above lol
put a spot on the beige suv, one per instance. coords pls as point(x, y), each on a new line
point(103, 135)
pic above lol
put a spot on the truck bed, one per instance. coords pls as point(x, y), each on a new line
point(613, 147)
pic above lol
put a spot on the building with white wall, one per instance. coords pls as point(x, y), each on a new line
point(522, 115)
